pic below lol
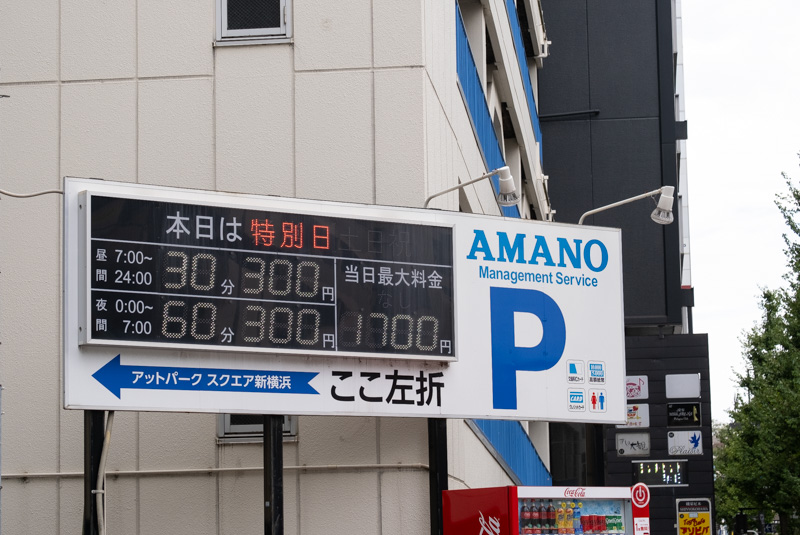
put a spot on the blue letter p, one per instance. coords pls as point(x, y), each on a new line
point(507, 357)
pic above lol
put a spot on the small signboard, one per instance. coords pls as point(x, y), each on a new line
point(684, 414)
point(638, 415)
point(636, 387)
point(694, 516)
point(633, 444)
point(682, 385)
point(685, 443)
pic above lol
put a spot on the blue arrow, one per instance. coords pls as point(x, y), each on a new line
point(115, 376)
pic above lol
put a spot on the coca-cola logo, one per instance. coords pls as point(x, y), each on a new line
point(578, 492)
point(489, 527)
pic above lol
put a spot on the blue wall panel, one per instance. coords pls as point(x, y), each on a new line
point(513, 444)
point(516, 30)
point(477, 107)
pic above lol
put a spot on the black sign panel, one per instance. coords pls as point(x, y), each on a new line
point(242, 278)
point(660, 473)
point(683, 414)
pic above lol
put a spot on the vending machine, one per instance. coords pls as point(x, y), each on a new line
point(547, 511)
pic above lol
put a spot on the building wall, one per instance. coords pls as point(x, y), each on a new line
point(608, 99)
point(362, 106)
point(657, 358)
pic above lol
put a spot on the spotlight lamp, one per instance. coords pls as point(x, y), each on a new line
point(506, 196)
point(662, 213)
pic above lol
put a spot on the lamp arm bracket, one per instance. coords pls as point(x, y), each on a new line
point(459, 186)
point(619, 203)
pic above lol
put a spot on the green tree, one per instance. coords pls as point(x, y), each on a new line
point(758, 465)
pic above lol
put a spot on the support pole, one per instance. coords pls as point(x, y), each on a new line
point(93, 435)
point(437, 461)
point(273, 475)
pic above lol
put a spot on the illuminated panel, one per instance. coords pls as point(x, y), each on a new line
point(660, 473)
point(220, 277)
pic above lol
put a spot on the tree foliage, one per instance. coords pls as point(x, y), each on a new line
point(758, 465)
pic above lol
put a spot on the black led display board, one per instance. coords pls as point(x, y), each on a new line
point(219, 278)
point(660, 473)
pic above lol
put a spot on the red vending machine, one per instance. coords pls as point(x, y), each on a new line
point(547, 511)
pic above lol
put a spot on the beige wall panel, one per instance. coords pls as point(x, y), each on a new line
point(177, 440)
point(29, 508)
point(30, 308)
point(481, 195)
point(70, 506)
point(29, 143)
point(98, 40)
point(123, 451)
point(291, 502)
point(255, 119)
point(442, 157)
point(178, 505)
point(333, 35)
point(122, 502)
point(29, 41)
point(540, 437)
point(340, 503)
point(70, 439)
point(405, 502)
point(241, 505)
point(29, 322)
point(238, 455)
point(176, 138)
point(400, 137)
point(403, 440)
point(176, 37)
point(335, 136)
point(325, 440)
point(469, 461)
point(398, 33)
point(98, 130)
point(440, 50)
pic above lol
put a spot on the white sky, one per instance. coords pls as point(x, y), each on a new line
point(742, 88)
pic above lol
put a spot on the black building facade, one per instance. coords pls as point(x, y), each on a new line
point(608, 106)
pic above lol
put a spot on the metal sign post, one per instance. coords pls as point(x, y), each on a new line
point(93, 433)
point(273, 475)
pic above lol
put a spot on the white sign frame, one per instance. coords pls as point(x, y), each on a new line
point(511, 260)
point(626, 447)
point(682, 442)
point(638, 415)
point(637, 387)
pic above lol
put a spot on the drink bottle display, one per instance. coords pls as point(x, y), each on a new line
point(543, 518)
point(536, 518)
point(569, 516)
point(576, 519)
point(524, 517)
point(551, 517)
point(561, 518)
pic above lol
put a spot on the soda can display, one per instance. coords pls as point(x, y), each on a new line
point(587, 524)
point(614, 523)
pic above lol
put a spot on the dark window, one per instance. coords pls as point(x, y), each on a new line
point(246, 20)
point(253, 14)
